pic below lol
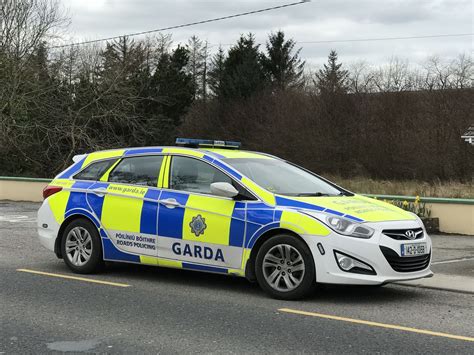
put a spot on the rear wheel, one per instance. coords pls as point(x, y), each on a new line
point(285, 268)
point(81, 247)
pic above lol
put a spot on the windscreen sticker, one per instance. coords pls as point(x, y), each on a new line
point(360, 207)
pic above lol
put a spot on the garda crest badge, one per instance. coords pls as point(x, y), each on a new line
point(198, 225)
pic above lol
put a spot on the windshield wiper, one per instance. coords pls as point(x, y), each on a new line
point(317, 194)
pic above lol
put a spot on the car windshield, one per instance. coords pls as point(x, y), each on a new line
point(280, 177)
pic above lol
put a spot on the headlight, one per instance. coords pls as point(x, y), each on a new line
point(343, 226)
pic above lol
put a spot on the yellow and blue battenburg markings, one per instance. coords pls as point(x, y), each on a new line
point(220, 241)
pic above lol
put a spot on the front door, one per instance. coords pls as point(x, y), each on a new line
point(196, 227)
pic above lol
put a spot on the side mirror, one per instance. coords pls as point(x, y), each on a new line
point(223, 189)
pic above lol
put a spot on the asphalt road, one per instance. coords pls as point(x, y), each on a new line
point(175, 311)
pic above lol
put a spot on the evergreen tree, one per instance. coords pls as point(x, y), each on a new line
point(197, 65)
point(332, 78)
point(243, 71)
point(216, 72)
point(173, 89)
point(281, 63)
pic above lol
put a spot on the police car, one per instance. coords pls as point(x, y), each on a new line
point(209, 206)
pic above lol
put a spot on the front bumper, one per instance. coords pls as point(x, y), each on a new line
point(367, 251)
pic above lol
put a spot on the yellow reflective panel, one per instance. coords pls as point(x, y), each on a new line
point(103, 155)
point(149, 260)
point(123, 212)
point(215, 213)
point(231, 153)
point(236, 272)
point(163, 179)
point(105, 177)
point(362, 207)
point(170, 263)
point(58, 201)
point(265, 195)
point(302, 224)
point(245, 257)
point(184, 151)
point(127, 190)
point(66, 183)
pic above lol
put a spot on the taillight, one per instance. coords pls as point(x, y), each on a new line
point(50, 190)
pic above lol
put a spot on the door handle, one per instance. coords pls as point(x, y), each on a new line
point(170, 203)
point(100, 191)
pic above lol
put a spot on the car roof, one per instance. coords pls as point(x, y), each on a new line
point(236, 154)
point(218, 153)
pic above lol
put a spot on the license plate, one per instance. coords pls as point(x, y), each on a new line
point(413, 249)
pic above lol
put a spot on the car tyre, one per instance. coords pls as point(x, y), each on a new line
point(81, 247)
point(284, 267)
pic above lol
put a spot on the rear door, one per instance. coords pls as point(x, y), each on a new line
point(194, 226)
point(129, 210)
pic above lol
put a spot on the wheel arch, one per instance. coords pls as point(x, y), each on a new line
point(69, 219)
point(250, 264)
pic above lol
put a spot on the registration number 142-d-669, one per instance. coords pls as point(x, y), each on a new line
point(413, 249)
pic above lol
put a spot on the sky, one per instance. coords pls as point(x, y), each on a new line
point(318, 20)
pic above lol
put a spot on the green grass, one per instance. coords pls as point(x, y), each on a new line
point(448, 189)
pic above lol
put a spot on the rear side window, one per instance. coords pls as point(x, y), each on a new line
point(95, 170)
point(138, 171)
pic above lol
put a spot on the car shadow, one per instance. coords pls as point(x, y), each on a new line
point(323, 293)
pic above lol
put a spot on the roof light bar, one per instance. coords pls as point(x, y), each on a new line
point(209, 143)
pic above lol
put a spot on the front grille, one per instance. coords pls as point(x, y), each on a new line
point(407, 263)
point(400, 234)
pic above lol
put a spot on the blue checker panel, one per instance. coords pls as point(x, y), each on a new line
point(143, 151)
point(72, 170)
point(353, 218)
point(259, 231)
point(149, 216)
point(170, 220)
point(260, 216)
point(96, 202)
point(77, 200)
point(277, 216)
point(237, 225)
point(83, 213)
point(281, 201)
point(205, 268)
point(328, 210)
point(112, 253)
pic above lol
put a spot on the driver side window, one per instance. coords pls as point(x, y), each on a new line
point(192, 175)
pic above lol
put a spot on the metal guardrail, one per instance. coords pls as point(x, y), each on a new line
point(18, 178)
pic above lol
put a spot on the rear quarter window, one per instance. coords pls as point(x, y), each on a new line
point(94, 171)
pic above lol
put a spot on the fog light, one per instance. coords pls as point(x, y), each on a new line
point(345, 262)
point(350, 264)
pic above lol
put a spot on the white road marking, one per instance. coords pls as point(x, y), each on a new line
point(17, 219)
point(451, 261)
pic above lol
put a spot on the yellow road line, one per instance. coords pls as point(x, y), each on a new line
point(376, 324)
point(74, 278)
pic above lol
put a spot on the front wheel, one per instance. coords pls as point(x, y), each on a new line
point(81, 247)
point(285, 268)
